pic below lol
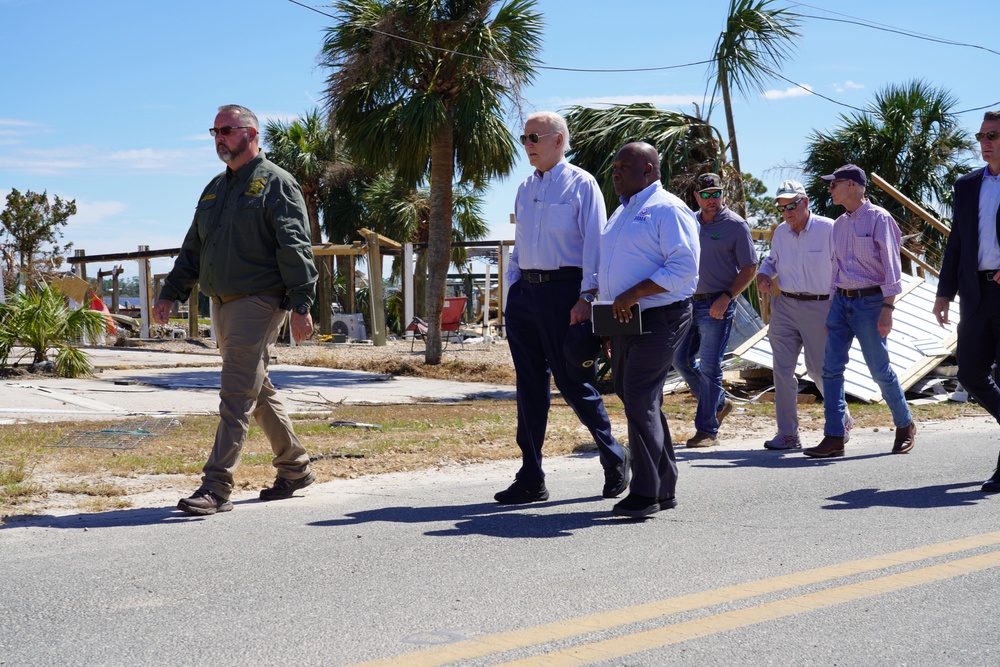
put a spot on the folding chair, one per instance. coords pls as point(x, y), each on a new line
point(451, 320)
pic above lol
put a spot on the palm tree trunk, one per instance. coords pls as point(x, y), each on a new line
point(439, 236)
point(323, 283)
point(739, 198)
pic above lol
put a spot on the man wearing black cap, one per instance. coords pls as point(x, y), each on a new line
point(728, 264)
point(866, 280)
point(559, 212)
point(971, 269)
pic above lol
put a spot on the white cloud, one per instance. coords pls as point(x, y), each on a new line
point(59, 161)
point(91, 213)
point(659, 101)
point(847, 85)
point(793, 91)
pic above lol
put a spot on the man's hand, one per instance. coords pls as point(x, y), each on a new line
point(302, 326)
point(764, 283)
point(940, 310)
point(161, 310)
point(718, 308)
point(581, 312)
point(622, 306)
point(885, 322)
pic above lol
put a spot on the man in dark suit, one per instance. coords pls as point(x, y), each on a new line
point(971, 268)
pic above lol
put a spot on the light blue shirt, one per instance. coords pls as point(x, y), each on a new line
point(653, 235)
point(989, 199)
point(802, 262)
point(558, 218)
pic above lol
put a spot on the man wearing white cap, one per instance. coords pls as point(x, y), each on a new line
point(800, 262)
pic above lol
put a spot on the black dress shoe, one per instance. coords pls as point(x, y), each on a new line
point(636, 506)
point(992, 485)
point(520, 493)
point(616, 478)
point(668, 503)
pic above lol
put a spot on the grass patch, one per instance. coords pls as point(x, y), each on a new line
point(412, 437)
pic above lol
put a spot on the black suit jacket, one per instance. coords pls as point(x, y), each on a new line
point(961, 255)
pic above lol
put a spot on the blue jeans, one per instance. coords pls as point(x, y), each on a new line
point(850, 319)
point(706, 339)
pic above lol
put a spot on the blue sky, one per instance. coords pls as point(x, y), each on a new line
point(108, 102)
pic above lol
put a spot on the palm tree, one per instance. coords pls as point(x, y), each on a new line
point(418, 86)
point(911, 138)
point(307, 149)
point(688, 146)
point(40, 321)
point(757, 39)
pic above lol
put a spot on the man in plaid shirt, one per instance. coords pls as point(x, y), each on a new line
point(866, 281)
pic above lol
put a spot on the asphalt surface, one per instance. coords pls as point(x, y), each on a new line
point(770, 558)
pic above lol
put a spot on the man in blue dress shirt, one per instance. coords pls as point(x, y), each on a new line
point(559, 212)
point(649, 256)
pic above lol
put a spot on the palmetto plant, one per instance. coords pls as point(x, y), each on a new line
point(688, 146)
point(418, 86)
point(40, 321)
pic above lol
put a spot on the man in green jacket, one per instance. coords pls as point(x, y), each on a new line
point(249, 249)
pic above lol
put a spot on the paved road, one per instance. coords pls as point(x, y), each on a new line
point(770, 558)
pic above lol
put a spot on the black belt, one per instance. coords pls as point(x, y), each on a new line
point(807, 297)
point(705, 297)
point(855, 293)
point(987, 275)
point(565, 273)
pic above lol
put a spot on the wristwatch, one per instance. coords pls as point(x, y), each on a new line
point(302, 309)
point(588, 297)
point(728, 293)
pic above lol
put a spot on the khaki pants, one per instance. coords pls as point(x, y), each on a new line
point(246, 328)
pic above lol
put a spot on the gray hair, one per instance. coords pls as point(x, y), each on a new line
point(246, 116)
point(556, 122)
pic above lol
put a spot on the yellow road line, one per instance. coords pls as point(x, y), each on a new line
point(703, 627)
point(515, 639)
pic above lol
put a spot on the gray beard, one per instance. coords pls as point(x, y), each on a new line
point(228, 156)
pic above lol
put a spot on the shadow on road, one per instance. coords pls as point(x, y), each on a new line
point(762, 458)
point(925, 497)
point(490, 519)
point(140, 516)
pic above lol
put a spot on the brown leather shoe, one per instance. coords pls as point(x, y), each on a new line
point(830, 445)
point(904, 439)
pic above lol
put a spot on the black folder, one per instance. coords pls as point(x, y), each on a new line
point(605, 323)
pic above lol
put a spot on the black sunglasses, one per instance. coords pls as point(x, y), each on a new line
point(226, 131)
point(533, 137)
point(710, 195)
point(991, 135)
point(790, 206)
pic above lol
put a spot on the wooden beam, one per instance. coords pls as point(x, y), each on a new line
point(383, 241)
point(910, 204)
point(920, 262)
point(327, 249)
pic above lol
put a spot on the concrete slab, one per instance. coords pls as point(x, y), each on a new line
point(128, 385)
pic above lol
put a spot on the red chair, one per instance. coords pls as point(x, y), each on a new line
point(451, 320)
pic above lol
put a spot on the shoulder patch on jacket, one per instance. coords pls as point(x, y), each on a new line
point(208, 197)
point(256, 186)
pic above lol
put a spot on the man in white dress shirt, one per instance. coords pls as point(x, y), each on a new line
point(559, 212)
point(801, 262)
point(649, 256)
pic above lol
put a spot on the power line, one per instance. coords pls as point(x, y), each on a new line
point(848, 19)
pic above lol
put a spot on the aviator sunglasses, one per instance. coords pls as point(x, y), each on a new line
point(991, 135)
point(710, 195)
point(533, 137)
point(226, 131)
point(790, 206)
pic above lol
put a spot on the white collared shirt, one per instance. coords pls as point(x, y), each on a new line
point(652, 235)
point(802, 262)
point(559, 215)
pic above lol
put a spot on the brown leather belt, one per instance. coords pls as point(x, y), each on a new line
point(705, 297)
point(807, 297)
point(855, 293)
